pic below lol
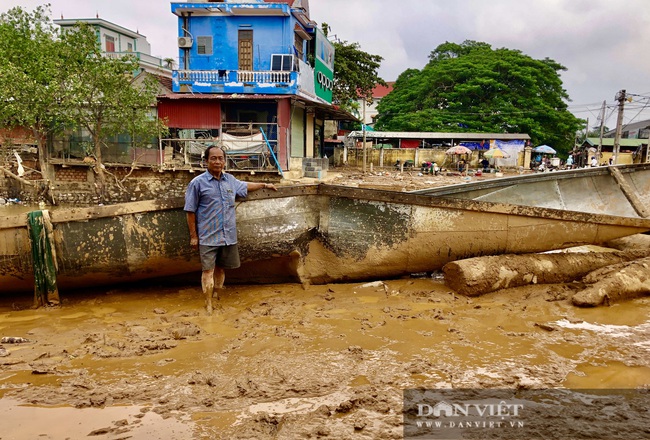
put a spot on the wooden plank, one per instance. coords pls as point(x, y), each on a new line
point(630, 194)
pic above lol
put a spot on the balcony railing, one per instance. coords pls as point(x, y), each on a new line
point(236, 81)
point(238, 76)
point(141, 57)
point(263, 77)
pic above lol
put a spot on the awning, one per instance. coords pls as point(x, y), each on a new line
point(322, 110)
point(329, 111)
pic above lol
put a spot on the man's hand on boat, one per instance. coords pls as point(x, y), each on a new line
point(254, 186)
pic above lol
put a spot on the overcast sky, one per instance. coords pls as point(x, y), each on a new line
point(602, 43)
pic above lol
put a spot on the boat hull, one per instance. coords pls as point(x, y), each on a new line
point(309, 234)
point(618, 190)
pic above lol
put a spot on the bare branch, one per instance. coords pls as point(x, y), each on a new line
point(17, 178)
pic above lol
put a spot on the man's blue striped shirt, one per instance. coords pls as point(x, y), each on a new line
point(213, 202)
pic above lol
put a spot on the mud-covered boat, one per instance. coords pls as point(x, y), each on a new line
point(327, 233)
point(620, 190)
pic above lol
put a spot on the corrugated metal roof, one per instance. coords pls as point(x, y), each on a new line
point(437, 135)
point(190, 114)
point(326, 111)
point(641, 125)
point(609, 142)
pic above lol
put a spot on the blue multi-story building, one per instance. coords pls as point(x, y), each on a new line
point(253, 68)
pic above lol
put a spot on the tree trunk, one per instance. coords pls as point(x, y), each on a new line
point(615, 283)
point(638, 241)
point(477, 276)
point(43, 155)
point(99, 168)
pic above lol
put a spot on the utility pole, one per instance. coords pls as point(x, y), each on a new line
point(602, 129)
point(363, 130)
point(620, 97)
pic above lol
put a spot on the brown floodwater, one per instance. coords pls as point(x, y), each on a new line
point(287, 361)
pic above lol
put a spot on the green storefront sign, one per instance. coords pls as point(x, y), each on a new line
point(324, 68)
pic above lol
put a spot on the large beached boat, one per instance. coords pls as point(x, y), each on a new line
point(327, 233)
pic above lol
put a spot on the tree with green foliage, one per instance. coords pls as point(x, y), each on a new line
point(32, 75)
point(101, 99)
point(595, 132)
point(471, 87)
point(50, 83)
point(355, 73)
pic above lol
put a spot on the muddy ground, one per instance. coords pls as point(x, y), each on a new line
point(407, 180)
point(289, 362)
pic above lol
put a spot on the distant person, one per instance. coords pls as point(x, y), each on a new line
point(485, 163)
point(569, 161)
point(210, 207)
point(594, 161)
point(461, 166)
point(435, 169)
point(612, 159)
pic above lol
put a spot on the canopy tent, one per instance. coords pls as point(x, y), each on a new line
point(544, 149)
point(496, 153)
point(458, 149)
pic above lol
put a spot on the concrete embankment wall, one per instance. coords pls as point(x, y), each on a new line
point(76, 185)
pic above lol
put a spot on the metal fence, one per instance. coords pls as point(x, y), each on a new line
point(122, 151)
point(248, 146)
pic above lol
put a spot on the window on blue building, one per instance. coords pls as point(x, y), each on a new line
point(204, 45)
point(281, 62)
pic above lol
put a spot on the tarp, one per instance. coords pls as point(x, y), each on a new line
point(252, 144)
point(243, 144)
point(410, 143)
point(511, 148)
point(483, 145)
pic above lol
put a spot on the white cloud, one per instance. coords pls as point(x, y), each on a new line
point(601, 42)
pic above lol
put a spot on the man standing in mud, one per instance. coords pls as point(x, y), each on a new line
point(210, 207)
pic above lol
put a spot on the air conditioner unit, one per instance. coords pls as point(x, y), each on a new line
point(185, 42)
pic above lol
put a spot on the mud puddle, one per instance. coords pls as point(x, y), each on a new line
point(32, 421)
point(283, 361)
